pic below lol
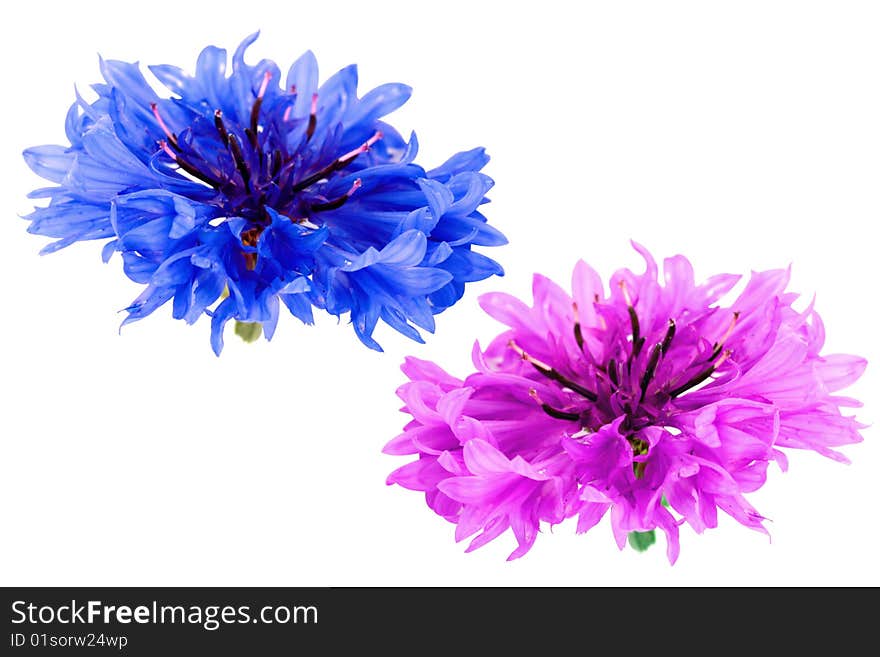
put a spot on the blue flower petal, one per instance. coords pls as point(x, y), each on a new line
point(138, 268)
point(472, 160)
point(303, 75)
point(397, 320)
point(438, 195)
point(49, 162)
point(366, 259)
point(422, 220)
point(299, 306)
point(469, 190)
point(415, 281)
point(173, 77)
point(108, 250)
point(447, 296)
point(128, 79)
point(468, 266)
point(210, 79)
point(418, 311)
point(222, 314)
point(436, 254)
point(150, 299)
point(382, 100)
point(209, 285)
point(406, 250)
point(78, 220)
point(364, 322)
point(337, 94)
point(270, 320)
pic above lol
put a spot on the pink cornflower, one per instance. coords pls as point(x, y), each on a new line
point(649, 401)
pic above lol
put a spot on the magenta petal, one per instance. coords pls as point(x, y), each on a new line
point(468, 428)
point(591, 494)
point(451, 405)
point(837, 371)
point(752, 477)
point(679, 276)
point(781, 459)
point(586, 286)
point(443, 505)
point(494, 528)
point(667, 523)
point(424, 370)
point(598, 455)
point(421, 399)
point(704, 427)
point(430, 439)
point(590, 514)
point(525, 532)
point(469, 490)
point(434, 439)
point(621, 523)
point(453, 463)
point(423, 475)
point(525, 469)
point(482, 458)
point(400, 445)
point(509, 311)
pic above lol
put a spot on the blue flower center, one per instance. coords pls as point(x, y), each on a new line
point(254, 166)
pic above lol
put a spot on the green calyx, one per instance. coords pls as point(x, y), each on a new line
point(641, 541)
point(248, 331)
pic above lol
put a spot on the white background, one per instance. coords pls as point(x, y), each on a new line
point(744, 135)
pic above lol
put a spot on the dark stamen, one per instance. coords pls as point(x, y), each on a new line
point(637, 347)
point(337, 202)
point(275, 160)
point(718, 346)
point(313, 117)
point(627, 423)
point(560, 415)
point(221, 127)
point(337, 164)
point(653, 359)
point(552, 412)
point(186, 166)
point(637, 341)
point(578, 335)
point(235, 147)
point(255, 109)
point(252, 139)
point(612, 372)
point(551, 373)
point(667, 339)
point(699, 378)
point(634, 321)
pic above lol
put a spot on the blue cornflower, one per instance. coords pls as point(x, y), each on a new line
point(238, 194)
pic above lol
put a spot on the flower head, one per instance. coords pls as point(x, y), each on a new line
point(649, 400)
point(242, 192)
